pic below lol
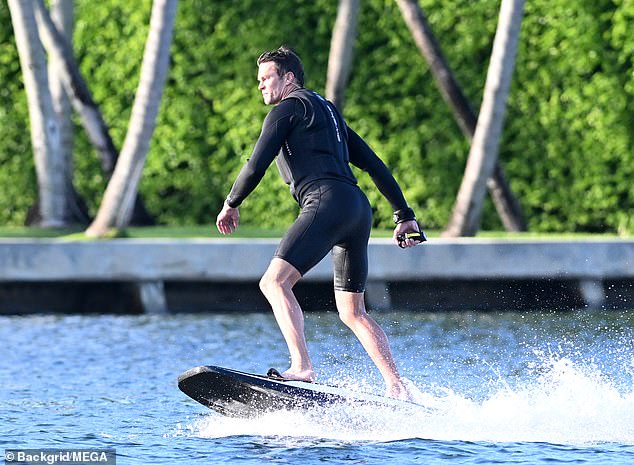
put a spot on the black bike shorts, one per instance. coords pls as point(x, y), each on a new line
point(335, 216)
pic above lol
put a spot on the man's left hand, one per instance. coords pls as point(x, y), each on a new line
point(403, 228)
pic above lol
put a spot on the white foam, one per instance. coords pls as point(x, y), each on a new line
point(564, 403)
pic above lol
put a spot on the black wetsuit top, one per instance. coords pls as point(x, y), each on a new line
point(314, 147)
point(313, 142)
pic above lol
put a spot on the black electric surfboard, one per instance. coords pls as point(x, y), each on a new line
point(238, 394)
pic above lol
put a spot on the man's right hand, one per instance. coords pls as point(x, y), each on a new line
point(228, 219)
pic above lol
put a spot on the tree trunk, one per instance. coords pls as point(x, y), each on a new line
point(81, 98)
point(62, 14)
point(76, 88)
point(506, 205)
point(115, 210)
point(75, 210)
point(466, 216)
point(44, 129)
point(341, 51)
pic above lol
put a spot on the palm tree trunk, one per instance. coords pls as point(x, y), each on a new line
point(341, 51)
point(75, 210)
point(76, 88)
point(81, 98)
point(116, 207)
point(505, 203)
point(62, 14)
point(44, 128)
point(466, 216)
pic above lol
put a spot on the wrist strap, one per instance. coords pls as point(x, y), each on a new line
point(404, 214)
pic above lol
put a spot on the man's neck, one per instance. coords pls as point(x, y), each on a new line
point(290, 87)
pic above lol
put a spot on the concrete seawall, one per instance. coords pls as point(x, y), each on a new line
point(160, 274)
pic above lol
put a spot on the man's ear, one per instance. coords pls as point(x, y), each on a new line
point(290, 76)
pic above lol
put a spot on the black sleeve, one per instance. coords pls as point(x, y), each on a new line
point(362, 156)
point(274, 130)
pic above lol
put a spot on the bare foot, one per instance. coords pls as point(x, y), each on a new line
point(300, 375)
point(294, 375)
point(398, 391)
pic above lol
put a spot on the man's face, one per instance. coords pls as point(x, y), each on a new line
point(271, 84)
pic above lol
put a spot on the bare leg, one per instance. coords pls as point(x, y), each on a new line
point(352, 312)
point(277, 286)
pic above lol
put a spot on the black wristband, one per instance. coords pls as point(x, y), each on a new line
point(403, 215)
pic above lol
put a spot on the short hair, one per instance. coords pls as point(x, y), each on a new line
point(285, 60)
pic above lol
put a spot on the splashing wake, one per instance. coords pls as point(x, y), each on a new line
point(563, 402)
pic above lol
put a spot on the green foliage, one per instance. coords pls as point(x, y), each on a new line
point(568, 137)
point(566, 148)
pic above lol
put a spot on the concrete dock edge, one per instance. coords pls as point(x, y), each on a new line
point(147, 264)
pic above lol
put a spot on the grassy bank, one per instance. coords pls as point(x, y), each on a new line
point(209, 231)
point(206, 231)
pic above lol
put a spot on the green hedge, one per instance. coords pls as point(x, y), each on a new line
point(566, 148)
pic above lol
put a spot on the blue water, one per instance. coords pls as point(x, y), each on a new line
point(501, 387)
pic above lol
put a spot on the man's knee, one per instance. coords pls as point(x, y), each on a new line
point(352, 316)
point(280, 275)
point(265, 284)
point(347, 318)
point(268, 283)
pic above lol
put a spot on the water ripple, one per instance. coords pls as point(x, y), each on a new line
point(504, 387)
